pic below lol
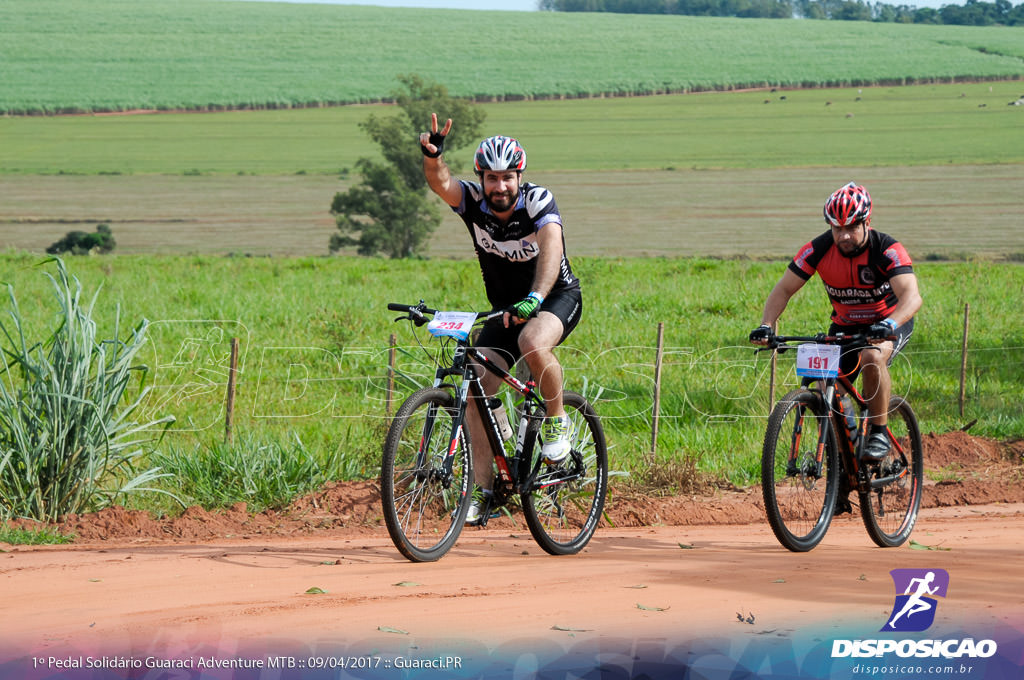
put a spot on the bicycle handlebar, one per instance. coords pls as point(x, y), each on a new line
point(398, 307)
point(779, 342)
point(418, 313)
point(824, 338)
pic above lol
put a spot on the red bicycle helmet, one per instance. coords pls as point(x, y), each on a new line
point(848, 205)
point(499, 153)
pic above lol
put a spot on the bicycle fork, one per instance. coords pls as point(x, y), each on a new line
point(792, 467)
point(425, 471)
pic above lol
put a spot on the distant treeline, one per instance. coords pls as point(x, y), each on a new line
point(974, 13)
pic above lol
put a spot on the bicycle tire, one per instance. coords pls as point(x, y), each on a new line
point(798, 501)
point(890, 511)
point(424, 512)
point(562, 517)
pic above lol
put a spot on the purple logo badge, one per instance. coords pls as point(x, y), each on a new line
point(915, 605)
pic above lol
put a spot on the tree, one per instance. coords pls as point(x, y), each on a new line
point(852, 11)
point(82, 243)
point(387, 215)
point(390, 211)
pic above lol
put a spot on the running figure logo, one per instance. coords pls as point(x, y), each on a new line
point(914, 609)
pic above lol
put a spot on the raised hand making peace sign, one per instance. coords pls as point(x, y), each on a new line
point(432, 143)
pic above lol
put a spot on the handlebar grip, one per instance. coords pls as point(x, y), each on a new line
point(415, 312)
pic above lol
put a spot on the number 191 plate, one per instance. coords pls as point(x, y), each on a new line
point(817, 361)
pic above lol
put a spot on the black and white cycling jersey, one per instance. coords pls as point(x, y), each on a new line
point(508, 251)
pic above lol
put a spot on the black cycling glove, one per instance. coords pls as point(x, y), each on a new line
point(762, 333)
point(437, 139)
point(882, 330)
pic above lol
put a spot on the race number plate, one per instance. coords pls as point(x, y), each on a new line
point(817, 361)
point(452, 324)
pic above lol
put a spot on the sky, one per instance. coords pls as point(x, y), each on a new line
point(531, 5)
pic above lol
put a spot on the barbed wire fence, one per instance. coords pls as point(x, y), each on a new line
point(640, 386)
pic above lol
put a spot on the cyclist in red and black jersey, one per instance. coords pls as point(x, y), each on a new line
point(870, 281)
point(517, 232)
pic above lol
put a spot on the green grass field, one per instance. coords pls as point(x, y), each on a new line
point(734, 175)
point(964, 123)
point(126, 54)
point(720, 174)
point(314, 337)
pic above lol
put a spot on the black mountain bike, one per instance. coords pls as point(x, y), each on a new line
point(427, 468)
point(810, 462)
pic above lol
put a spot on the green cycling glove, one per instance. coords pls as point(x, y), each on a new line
point(526, 307)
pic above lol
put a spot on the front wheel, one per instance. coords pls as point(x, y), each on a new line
point(889, 508)
point(425, 495)
point(564, 505)
point(799, 484)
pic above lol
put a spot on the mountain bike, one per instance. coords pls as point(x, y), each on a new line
point(810, 462)
point(427, 467)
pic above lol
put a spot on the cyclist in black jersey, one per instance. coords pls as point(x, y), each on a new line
point(517, 232)
point(870, 281)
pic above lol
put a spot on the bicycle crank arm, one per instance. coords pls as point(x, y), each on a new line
point(886, 481)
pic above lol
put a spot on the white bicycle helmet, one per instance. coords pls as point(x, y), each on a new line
point(499, 153)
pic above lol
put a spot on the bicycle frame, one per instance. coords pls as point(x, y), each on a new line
point(849, 465)
point(512, 480)
point(804, 487)
point(849, 461)
point(515, 475)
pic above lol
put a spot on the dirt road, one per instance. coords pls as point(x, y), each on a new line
point(233, 598)
point(693, 587)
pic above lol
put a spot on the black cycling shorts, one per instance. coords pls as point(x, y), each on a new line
point(849, 360)
point(566, 305)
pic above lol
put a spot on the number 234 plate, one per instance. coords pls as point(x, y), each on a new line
point(452, 324)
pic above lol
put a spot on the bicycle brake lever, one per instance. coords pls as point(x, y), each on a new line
point(418, 320)
point(778, 348)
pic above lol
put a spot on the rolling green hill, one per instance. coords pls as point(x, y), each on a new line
point(111, 55)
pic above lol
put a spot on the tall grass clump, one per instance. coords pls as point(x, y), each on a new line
point(262, 472)
point(67, 444)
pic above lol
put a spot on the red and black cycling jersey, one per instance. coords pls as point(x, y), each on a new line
point(508, 251)
point(858, 286)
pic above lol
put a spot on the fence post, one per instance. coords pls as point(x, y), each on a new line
point(229, 408)
point(657, 390)
point(963, 357)
point(773, 362)
point(390, 398)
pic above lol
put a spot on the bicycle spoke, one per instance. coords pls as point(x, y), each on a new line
point(424, 506)
point(797, 480)
point(565, 506)
point(890, 510)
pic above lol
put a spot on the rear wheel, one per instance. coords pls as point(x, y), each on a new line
point(798, 486)
point(889, 509)
point(425, 506)
point(564, 506)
